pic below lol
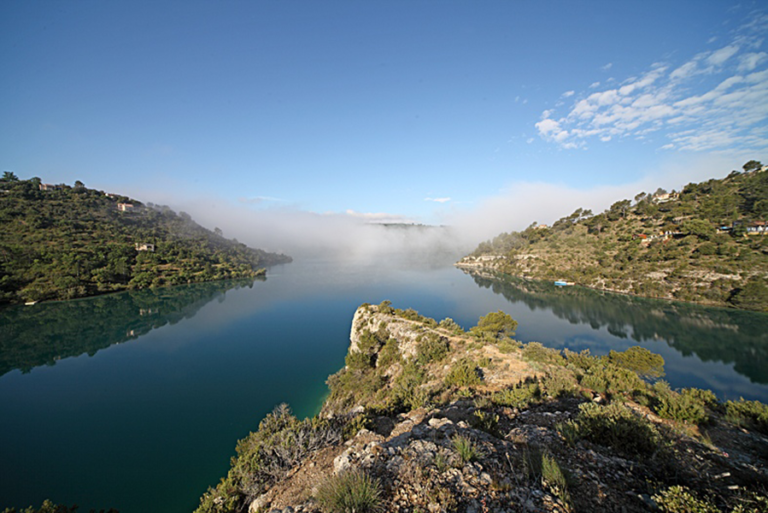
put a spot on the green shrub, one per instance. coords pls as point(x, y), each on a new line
point(609, 378)
point(686, 406)
point(678, 499)
point(431, 348)
point(486, 421)
point(520, 396)
point(536, 352)
point(552, 477)
point(351, 492)
point(616, 426)
point(450, 325)
point(466, 449)
point(559, 382)
point(389, 354)
point(640, 360)
point(748, 414)
point(464, 373)
point(583, 360)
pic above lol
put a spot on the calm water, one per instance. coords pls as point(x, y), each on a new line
point(135, 400)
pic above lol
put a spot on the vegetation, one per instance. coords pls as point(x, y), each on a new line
point(350, 492)
point(72, 242)
point(428, 407)
point(702, 244)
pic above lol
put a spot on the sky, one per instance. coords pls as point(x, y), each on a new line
point(304, 116)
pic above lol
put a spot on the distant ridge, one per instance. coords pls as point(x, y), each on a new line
point(62, 242)
point(707, 243)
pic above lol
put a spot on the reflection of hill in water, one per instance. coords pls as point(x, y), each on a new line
point(40, 335)
point(713, 334)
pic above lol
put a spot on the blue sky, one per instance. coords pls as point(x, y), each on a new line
point(431, 112)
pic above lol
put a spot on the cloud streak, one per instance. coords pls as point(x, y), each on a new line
point(716, 100)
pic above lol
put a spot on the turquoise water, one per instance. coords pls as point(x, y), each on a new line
point(135, 401)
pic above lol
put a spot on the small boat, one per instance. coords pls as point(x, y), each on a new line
point(563, 283)
point(30, 303)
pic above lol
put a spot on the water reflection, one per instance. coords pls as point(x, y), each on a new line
point(712, 334)
point(48, 332)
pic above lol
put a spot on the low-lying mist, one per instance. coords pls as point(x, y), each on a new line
point(353, 238)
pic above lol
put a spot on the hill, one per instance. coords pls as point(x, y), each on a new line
point(62, 242)
point(707, 243)
point(427, 417)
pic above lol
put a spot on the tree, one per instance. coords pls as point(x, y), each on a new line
point(9, 176)
point(496, 325)
point(752, 165)
point(79, 184)
point(698, 227)
point(218, 231)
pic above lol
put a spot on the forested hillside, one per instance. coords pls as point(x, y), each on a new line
point(707, 243)
point(61, 242)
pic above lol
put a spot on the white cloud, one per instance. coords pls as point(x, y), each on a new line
point(715, 100)
point(594, 85)
point(750, 61)
point(607, 66)
point(438, 200)
point(568, 94)
point(718, 57)
point(522, 203)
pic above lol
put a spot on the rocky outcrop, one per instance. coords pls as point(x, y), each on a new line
point(516, 439)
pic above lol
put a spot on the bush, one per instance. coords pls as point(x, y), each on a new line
point(684, 407)
point(431, 348)
point(640, 360)
point(559, 382)
point(677, 499)
point(519, 396)
point(536, 352)
point(552, 477)
point(351, 492)
point(466, 449)
point(486, 421)
point(617, 427)
point(609, 378)
point(748, 414)
point(464, 373)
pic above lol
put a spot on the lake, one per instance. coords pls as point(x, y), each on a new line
point(135, 400)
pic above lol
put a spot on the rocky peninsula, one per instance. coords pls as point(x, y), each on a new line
point(428, 417)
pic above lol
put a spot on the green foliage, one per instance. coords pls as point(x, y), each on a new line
point(265, 456)
point(520, 396)
point(536, 352)
point(74, 242)
point(450, 325)
point(389, 354)
point(617, 427)
point(679, 499)
point(466, 449)
point(748, 414)
point(752, 296)
point(407, 392)
point(686, 406)
point(553, 477)
point(350, 492)
point(495, 326)
point(464, 373)
point(431, 348)
point(640, 360)
point(486, 421)
point(603, 377)
point(670, 249)
point(385, 307)
point(559, 382)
